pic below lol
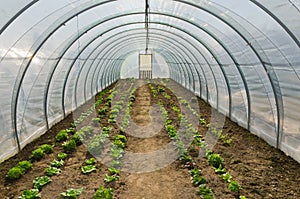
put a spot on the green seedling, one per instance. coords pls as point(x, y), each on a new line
point(61, 136)
point(103, 193)
point(62, 156)
point(88, 169)
point(40, 182)
point(51, 171)
point(30, 194)
point(72, 193)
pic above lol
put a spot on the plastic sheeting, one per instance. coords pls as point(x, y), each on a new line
point(242, 57)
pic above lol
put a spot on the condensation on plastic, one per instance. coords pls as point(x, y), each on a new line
point(232, 54)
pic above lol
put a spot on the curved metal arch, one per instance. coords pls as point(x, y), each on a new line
point(289, 32)
point(137, 40)
point(274, 83)
point(185, 47)
point(184, 60)
point(104, 33)
point(20, 12)
point(188, 42)
point(18, 82)
point(74, 61)
point(161, 40)
point(199, 42)
point(113, 36)
point(120, 47)
point(109, 30)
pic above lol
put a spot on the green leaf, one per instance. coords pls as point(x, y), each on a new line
point(57, 163)
point(30, 194)
point(88, 169)
point(62, 156)
point(72, 193)
point(40, 182)
point(51, 171)
point(110, 179)
point(90, 161)
point(103, 193)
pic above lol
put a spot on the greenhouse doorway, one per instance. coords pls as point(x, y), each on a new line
point(145, 66)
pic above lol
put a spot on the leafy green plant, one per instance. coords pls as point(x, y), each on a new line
point(88, 169)
point(47, 148)
point(37, 154)
point(234, 186)
point(40, 182)
point(106, 129)
point(122, 138)
point(51, 171)
point(205, 192)
point(103, 193)
point(15, 173)
point(119, 143)
point(220, 170)
point(215, 160)
point(161, 89)
point(61, 136)
point(113, 171)
point(171, 130)
point(198, 180)
point(69, 146)
point(90, 161)
point(57, 163)
point(226, 177)
point(77, 139)
point(62, 156)
point(111, 178)
point(26, 165)
point(30, 194)
point(176, 109)
point(71, 193)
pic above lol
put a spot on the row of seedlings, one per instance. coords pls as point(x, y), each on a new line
point(56, 165)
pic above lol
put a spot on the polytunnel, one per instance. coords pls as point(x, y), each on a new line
point(241, 57)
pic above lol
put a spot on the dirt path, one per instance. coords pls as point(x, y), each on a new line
point(169, 181)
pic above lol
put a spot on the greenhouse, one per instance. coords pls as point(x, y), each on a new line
point(150, 99)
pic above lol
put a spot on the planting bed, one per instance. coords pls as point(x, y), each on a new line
point(127, 128)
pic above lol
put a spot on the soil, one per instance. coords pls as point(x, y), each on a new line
point(261, 170)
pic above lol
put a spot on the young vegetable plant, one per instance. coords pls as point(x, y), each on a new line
point(72, 193)
point(15, 173)
point(61, 136)
point(26, 165)
point(69, 146)
point(215, 160)
point(51, 171)
point(47, 148)
point(205, 192)
point(234, 186)
point(226, 177)
point(62, 156)
point(90, 161)
point(57, 163)
point(103, 193)
point(113, 171)
point(88, 169)
point(40, 182)
point(110, 179)
point(30, 194)
point(37, 154)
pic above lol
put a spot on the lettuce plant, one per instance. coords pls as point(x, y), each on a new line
point(72, 193)
point(40, 182)
point(103, 193)
point(30, 194)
